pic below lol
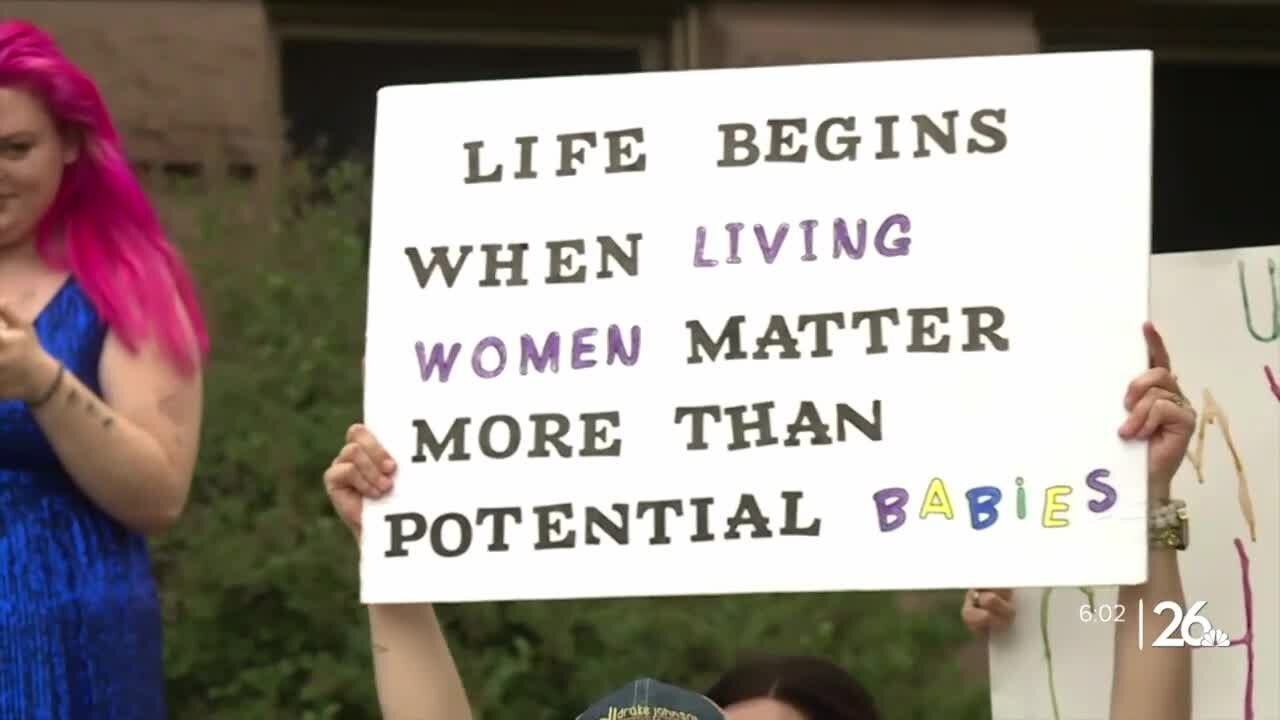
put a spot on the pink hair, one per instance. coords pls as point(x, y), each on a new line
point(113, 241)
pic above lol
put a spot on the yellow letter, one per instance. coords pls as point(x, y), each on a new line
point(1053, 506)
point(936, 501)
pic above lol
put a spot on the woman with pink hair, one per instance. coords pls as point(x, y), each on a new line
point(101, 347)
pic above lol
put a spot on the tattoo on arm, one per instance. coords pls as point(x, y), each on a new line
point(75, 399)
point(94, 411)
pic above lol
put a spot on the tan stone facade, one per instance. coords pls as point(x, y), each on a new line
point(189, 82)
point(196, 83)
point(739, 35)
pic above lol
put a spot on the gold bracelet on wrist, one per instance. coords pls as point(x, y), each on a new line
point(1169, 525)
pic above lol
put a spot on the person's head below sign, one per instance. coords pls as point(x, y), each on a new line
point(791, 688)
point(416, 676)
point(765, 688)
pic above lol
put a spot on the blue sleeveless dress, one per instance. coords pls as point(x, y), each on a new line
point(80, 622)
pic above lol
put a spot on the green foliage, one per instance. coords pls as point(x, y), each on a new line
point(260, 579)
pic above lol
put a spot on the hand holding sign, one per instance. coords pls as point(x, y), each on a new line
point(1159, 412)
point(362, 469)
point(985, 611)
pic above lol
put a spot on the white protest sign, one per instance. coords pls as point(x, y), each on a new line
point(856, 326)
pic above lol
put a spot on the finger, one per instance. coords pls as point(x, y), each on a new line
point(994, 603)
point(1153, 378)
point(341, 477)
point(1140, 414)
point(10, 337)
point(368, 471)
point(1141, 408)
point(354, 472)
point(977, 619)
point(1157, 353)
point(361, 435)
point(1168, 415)
point(9, 316)
point(982, 622)
point(1004, 593)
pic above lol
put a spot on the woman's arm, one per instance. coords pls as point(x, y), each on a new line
point(132, 451)
point(413, 668)
point(1151, 682)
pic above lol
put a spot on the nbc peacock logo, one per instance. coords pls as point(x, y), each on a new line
point(1215, 638)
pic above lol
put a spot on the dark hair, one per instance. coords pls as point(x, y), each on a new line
point(819, 689)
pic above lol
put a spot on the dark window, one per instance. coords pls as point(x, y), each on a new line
point(1215, 150)
point(330, 86)
point(182, 170)
point(242, 172)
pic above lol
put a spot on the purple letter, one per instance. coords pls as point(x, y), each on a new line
point(1094, 481)
point(427, 364)
point(478, 367)
point(550, 355)
point(900, 245)
point(734, 233)
point(698, 247)
point(888, 506)
point(582, 347)
point(808, 226)
point(619, 351)
point(770, 250)
point(844, 242)
point(982, 506)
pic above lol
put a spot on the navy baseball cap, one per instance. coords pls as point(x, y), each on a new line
point(647, 699)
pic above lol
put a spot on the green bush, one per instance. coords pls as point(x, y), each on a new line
point(260, 580)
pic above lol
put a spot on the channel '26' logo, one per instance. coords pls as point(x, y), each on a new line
point(1178, 633)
